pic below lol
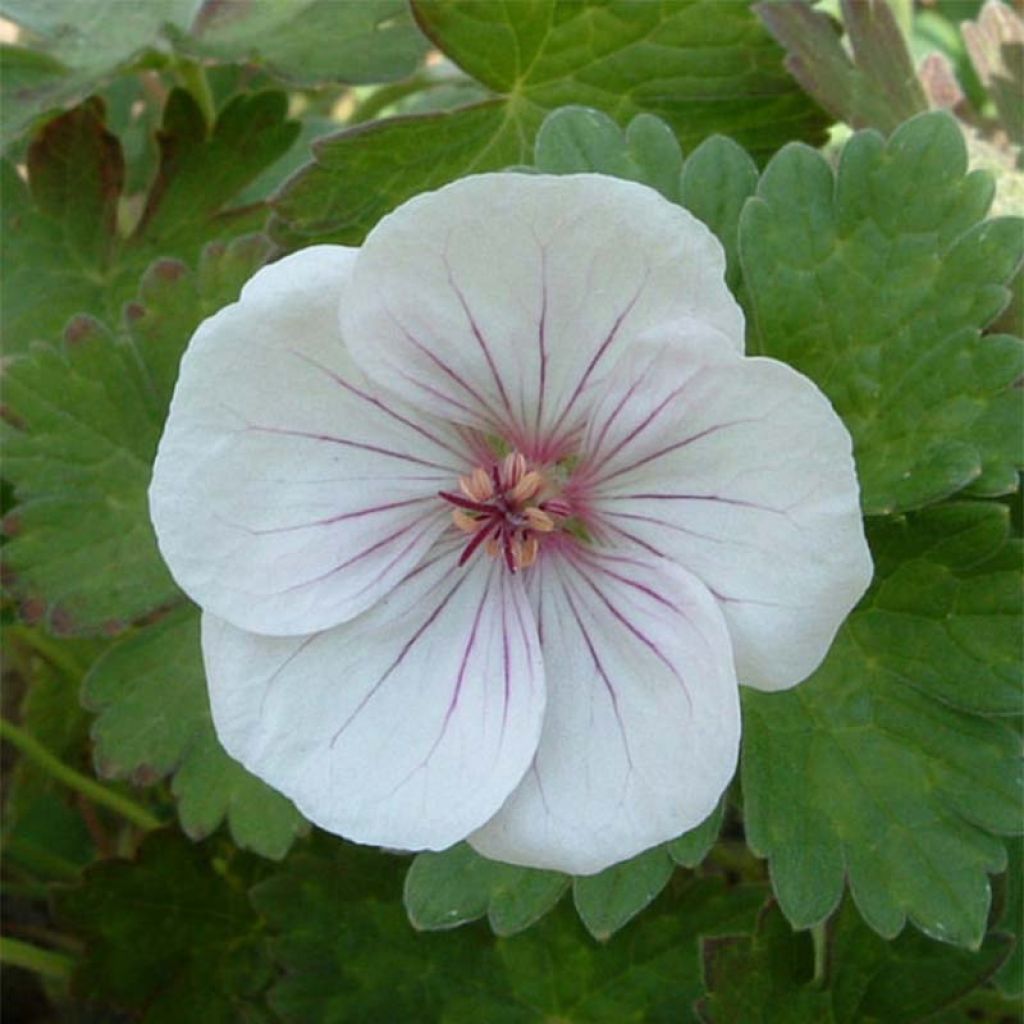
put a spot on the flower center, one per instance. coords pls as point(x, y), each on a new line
point(506, 508)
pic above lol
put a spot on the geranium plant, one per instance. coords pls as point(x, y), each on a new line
point(460, 453)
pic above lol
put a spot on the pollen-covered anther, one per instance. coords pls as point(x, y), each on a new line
point(528, 486)
point(505, 508)
point(477, 486)
point(539, 520)
point(465, 522)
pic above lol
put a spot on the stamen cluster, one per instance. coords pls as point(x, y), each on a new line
point(506, 508)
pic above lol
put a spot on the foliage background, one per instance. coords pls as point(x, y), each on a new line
point(866, 864)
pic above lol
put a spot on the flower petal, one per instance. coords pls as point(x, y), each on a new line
point(499, 300)
point(642, 728)
point(406, 727)
point(739, 470)
point(286, 495)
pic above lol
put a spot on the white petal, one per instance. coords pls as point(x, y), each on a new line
point(741, 471)
point(642, 728)
point(499, 300)
point(286, 495)
point(406, 727)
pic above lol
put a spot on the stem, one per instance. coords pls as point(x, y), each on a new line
point(53, 652)
point(387, 95)
point(193, 77)
point(35, 751)
point(818, 937)
point(42, 961)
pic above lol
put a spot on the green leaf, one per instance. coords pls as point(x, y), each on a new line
point(690, 849)
point(44, 833)
point(85, 422)
point(874, 86)
point(608, 900)
point(701, 65)
point(170, 935)
point(448, 889)
point(444, 890)
point(876, 284)
point(153, 720)
point(867, 771)
point(770, 978)
point(717, 180)
point(908, 979)
point(311, 41)
point(1010, 978)
point(578, 139)
point(64, 250)
point(302, 41)
point(765, 979)
point(349, 955)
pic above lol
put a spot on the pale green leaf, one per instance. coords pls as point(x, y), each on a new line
point(447, 889)
point(606, 901)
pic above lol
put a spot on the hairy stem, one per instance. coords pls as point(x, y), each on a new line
point(89, 788)
point(33, 958)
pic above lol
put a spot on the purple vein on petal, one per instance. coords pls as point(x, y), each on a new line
point(406, 648)
point(377, 403)
point(480, 339)
point(542, 346)
point(447, 370)
point(307, 641)
point(395, 559)
point(635, 630)
point(348, 443)
point(655, 496)
point(668, 449)
point(637, 517)
point(612, 695)
point(366, 552)
point(342, 517)
point(599, 354)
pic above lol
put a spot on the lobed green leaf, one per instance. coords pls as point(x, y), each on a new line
point(880, 769)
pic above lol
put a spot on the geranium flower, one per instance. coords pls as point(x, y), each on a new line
point(487, 517)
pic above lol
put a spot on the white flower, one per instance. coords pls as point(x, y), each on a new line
point(485, 556)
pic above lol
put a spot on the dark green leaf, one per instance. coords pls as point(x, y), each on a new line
point(701, 65)
point(1011, 978)
point(85, 423)
point(171, 935)
point(154, 720)
point(908, 979)
point(350, 956)
point(771, 979)
point(444, 890)
point(311, 41)
point(765, 979)
point(867, 771)
point(877, 285)
point(62, 246)
point(304, 41)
